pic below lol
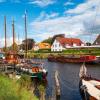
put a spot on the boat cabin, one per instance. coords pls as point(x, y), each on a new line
point(12, 57)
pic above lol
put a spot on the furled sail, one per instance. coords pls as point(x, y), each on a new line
point(83, 70)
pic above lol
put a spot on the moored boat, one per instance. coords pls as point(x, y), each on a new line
point(89, 87)
point(34, 69)
point(98, 59)
point(73, 58)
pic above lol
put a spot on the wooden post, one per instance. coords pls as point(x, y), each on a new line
point(57, 86)
point(26, 43)
point(13, 31)
point(5, 33)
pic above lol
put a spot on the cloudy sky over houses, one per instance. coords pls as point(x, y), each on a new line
point(45, 18)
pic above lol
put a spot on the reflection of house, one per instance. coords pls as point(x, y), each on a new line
point(42, 46)
point(97, 41)
point(60, 44)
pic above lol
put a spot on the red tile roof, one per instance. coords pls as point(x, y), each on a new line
point(69, 41)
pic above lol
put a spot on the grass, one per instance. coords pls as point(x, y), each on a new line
point(11, 90)
point(88, 51)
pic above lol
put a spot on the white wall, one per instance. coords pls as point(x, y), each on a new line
point(82, 44)
point(36, 48)
point(74, 44)
point(56, 46)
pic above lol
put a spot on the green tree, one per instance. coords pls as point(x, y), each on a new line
point(49, 40)
point(30, 44)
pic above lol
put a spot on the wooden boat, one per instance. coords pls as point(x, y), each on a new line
point(73, 58)
point(11, 57)
point(34, 69)
point(98, 59)
point(89, 87)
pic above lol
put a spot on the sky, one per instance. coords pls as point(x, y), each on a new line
point(45, 18)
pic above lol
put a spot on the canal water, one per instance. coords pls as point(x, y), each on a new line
point(69, 78)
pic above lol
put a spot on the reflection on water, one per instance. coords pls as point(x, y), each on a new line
point(69, 78)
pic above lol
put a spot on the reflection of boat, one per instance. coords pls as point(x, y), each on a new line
point(89, 86)
point(34, 69)
point(73, 58)
point(52, 58)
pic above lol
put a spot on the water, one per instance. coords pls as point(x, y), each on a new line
point(69, 78)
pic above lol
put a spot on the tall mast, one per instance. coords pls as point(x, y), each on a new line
point(13, 31)
point(26, 48)
point(5, 33)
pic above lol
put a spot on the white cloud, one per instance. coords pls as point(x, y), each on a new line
point(9, 41)
point(42, 3)
point(45, 16)
point(82, 8)
point(65, 25)
point(83, 23)
point(68, 3)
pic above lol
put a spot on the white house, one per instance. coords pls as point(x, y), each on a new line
point(60, 44)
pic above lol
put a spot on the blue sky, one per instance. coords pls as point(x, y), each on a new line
point(45, 18)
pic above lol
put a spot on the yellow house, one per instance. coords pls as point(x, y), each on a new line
point(44, 45)
point(41, 46)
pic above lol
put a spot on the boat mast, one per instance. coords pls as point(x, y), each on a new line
point(5, 33)
point(13, 31)
point(26, 48)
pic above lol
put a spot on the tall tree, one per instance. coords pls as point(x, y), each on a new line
point(30, 44)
